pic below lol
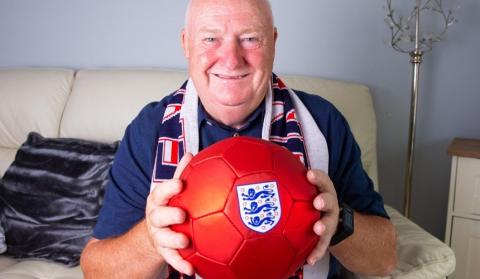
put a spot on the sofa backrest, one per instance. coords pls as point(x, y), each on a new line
point(99, 104)
point(30, 100)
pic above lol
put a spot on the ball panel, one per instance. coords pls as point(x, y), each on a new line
point(216, 238)
point(249, 155)
point(292, 173)
point(232, 207)
point(215, 150)
point(213, 177)
point(208, 268)
point(186, 172)
point(261, 258)
point(299, 227)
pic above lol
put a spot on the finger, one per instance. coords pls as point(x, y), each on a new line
point(318, 252)
point(319, 228)
point(173, 258)
point(182, 164)
point(164, 191)
point(328, 205)
point(178, 171)
point(166, 238)
point(165, 216)
point(325, 227)
point(320, 179)
point(326, 202)
point(319, 203)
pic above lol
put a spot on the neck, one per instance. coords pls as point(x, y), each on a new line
point(232, 117)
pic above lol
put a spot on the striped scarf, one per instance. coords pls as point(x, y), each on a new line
point(178, 133)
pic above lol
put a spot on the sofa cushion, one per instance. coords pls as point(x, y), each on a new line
point(103, 102)
point(6, 262)
point(7, 155)
point(31, 100)
point(420, 254)
point(34, 269)
point(51, 195)
point(355, 102)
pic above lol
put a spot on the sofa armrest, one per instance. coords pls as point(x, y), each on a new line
point(420, 254)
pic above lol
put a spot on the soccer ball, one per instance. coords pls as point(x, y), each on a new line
point(249, 210)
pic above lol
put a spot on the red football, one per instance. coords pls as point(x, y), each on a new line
point(249, 210)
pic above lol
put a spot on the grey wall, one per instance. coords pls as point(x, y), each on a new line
point(341, 39)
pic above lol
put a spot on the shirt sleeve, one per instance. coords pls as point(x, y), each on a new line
point(130, 176)
point(354, 187)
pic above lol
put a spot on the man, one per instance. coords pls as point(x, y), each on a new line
point(230, 47)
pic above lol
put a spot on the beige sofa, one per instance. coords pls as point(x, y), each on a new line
point(99, 104)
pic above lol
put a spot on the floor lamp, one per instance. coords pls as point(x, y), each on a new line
point(406, 37)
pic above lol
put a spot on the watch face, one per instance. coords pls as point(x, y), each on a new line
point(348, 220)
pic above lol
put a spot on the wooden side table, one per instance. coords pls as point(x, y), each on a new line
point(463, 217)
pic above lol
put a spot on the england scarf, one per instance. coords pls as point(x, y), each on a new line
point(287, 122)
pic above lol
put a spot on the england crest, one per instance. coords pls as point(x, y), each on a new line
point(259, 205)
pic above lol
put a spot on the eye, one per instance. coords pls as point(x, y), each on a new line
point(250, 39)
point(250, 42)
point(210, 39)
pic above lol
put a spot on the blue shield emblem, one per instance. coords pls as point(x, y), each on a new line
point(259, 205)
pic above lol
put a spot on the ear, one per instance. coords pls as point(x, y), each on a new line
point(275, 34)
point(184, 40)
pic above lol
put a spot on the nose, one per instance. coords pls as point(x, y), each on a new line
point(231, 54)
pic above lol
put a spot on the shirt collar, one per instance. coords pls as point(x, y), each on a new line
point(204, 118)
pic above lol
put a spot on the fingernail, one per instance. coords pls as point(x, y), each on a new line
point(190, 272)
point(320, 228)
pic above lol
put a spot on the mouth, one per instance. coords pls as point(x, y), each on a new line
point(230, 77)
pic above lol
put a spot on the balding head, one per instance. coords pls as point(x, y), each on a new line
point(265, 4)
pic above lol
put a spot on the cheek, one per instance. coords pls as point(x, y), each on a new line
point(260, 60)
point(206, 58)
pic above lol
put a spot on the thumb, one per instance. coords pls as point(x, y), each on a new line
point(182, 164)
point(178, 171)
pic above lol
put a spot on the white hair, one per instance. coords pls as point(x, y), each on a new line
point(189, 4)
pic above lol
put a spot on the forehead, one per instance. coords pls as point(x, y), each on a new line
point(209, 13)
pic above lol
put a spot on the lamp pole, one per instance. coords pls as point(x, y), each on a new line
point(416, 60)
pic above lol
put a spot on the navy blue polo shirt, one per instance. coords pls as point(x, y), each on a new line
point(130, 176)
point(211, 131)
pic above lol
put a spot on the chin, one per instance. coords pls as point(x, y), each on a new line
point(232, 102)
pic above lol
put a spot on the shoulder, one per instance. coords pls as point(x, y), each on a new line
point(153, 109)
point(326, 115)
point(142, 132)
point(334, 127)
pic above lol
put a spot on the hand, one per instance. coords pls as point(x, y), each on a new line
point(159, 216)
point(327, 203)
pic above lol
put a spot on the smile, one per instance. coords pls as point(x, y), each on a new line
point(230, 77)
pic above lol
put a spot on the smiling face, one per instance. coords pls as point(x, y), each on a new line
point(230, 47)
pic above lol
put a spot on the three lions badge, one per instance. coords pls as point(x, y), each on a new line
point(259, 205)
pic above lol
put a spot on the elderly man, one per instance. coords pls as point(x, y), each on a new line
point(230, 47)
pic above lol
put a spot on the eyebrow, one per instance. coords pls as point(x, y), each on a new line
point(218, 30)
point(209, 30)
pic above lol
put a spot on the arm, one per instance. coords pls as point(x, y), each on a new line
point(125, 256)
point(144, 250)
point(372, 247)
point(371, 250)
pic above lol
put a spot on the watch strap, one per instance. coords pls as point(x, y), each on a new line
point(345, 226)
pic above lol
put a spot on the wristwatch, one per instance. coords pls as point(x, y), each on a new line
point(345, 224)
